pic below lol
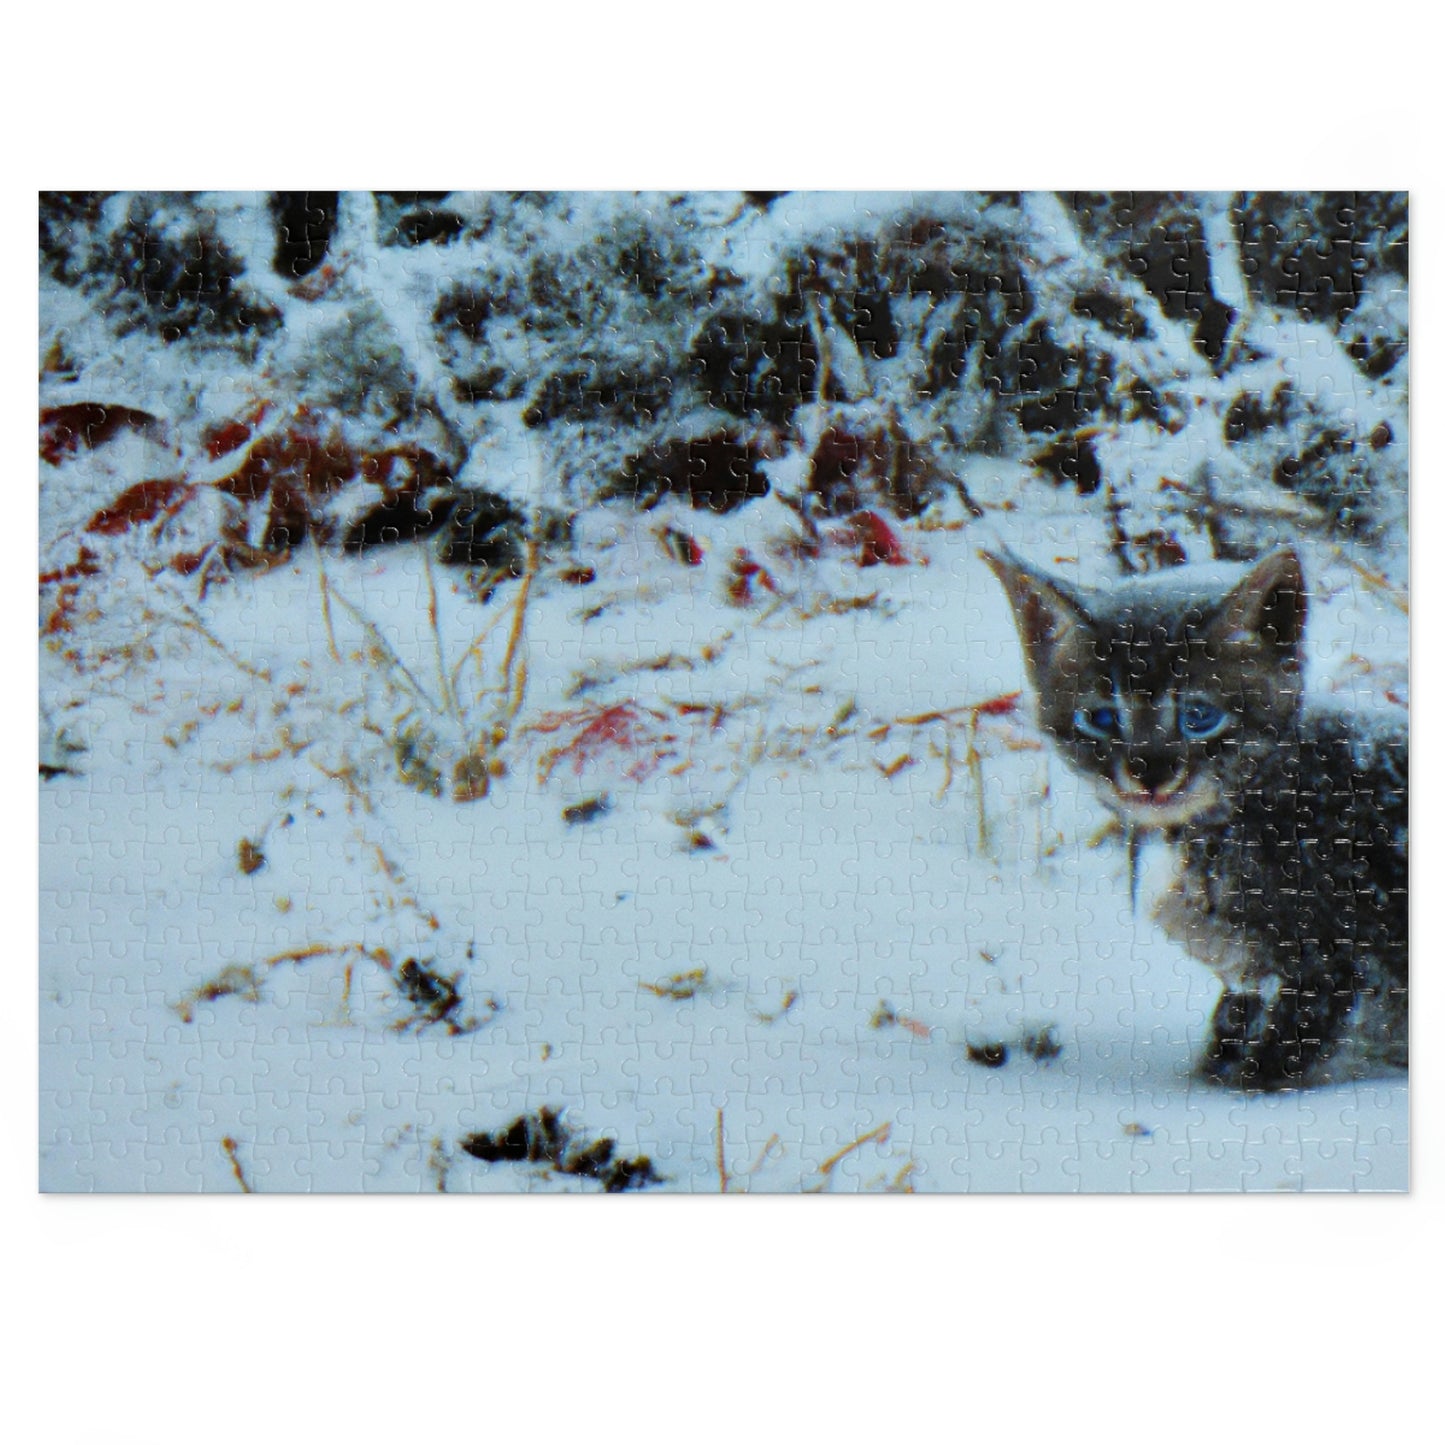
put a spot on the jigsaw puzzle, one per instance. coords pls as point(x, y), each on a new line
point(752, 692)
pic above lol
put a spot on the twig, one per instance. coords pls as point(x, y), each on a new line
point(475, 650)
point(946, 754)
point(228, 1145)
point(901, 1183)
point(773, 1143)
point(383, 648)
point(990, 707)
point(821, 344)
point(1213, 520)
point(300, 955)
point(1118, 538)
point(440, 1164)
point(347, 776)
point(941, 714)
point(326, 606)
point(1377, 582)
point(722, 1169)
point(973, 760)
point(514, 668)
point(878, 1135)
point(192, 621)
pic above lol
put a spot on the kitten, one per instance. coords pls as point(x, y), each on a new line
point(1179, 693)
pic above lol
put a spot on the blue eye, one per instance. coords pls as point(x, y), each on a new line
point(1098, 722)
point(1202, 720)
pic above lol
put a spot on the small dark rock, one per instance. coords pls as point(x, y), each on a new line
point(543, 1138)
point(436, 999)
point(529, 1139)
point(1042, 1044)
point(591, 1161)
point(628, 1174)
point(586, 811)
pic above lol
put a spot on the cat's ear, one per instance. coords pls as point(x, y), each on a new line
point(1044, 612)
point(1270, 602)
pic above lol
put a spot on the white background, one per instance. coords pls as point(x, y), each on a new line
point(220, 1319)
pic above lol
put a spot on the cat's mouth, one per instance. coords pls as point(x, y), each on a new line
point(1180, 800)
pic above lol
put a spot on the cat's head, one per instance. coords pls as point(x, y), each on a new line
point(1164, 688)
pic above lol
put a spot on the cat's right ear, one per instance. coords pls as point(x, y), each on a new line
point(1270, 603)
point(1044, 612)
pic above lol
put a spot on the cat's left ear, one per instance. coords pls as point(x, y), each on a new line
point(1270, 602)
point(1044, 611)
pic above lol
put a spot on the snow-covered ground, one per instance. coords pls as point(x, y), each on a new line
point(726, 836)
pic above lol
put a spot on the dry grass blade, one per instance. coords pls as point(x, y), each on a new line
point(448, 700)
point(681, 986)
point(193, 623)
point(474, 652)
point(723, 1181)
point(880, 1135)
point(325, 584)
point(228, 1147)
point(472, 776)
point(382, 650)
point(1377, 582)
point(514, 671)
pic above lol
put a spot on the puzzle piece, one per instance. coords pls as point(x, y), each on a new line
point(769, 692)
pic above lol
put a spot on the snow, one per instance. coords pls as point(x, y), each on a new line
point(833, 858)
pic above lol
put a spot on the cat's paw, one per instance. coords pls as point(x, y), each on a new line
point(1264, 1043)
point(1250, 1070)
point(1227, 1059)
point(1254, 1069)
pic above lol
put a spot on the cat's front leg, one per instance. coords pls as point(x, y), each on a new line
point(1237, 1034)
point(1271, 1037)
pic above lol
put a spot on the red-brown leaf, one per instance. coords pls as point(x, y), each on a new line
point(143, 502)
point(877, 541)
point(64, 430)
point(998, 706)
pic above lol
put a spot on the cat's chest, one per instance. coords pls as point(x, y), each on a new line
point(1187, 900)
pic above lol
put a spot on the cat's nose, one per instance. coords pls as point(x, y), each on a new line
point(1155, 774)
